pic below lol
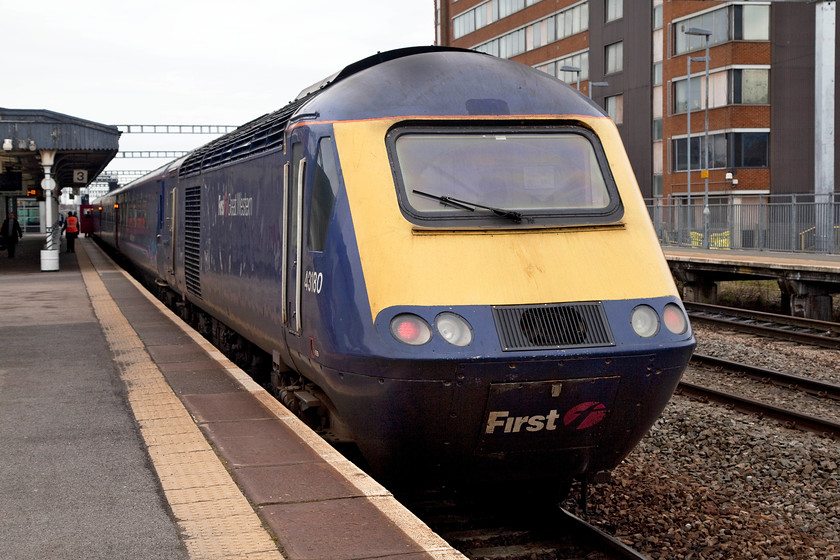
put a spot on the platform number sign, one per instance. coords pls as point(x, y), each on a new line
point(80, 175)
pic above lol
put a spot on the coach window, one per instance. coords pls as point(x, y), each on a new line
point(324, 188)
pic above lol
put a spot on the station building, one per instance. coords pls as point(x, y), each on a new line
point(43, 153)
point(636, 60)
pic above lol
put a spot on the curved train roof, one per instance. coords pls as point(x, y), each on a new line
point(448, 82)
point(416, 81)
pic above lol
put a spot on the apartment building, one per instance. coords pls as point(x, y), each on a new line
point(644, 62)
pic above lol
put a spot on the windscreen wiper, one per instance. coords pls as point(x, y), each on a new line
point(471, 206)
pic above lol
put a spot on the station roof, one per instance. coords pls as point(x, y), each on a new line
point(79, 145)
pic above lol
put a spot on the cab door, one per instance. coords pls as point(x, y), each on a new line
point(294, 173)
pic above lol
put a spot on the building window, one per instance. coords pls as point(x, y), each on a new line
point(750, 149)
point(463, 24)
point(682, 98)
point(752, 22)
point(741, 86)
point(657, 74)
point(729, 150)
point(717, 152)
point(572, 21)
point(614, 58)
point(657, 185)
point(580, 60)
point(507, 7)
point(657, 17)
point(614, 9)
point(657, 129)
point(614, 105)
point(536, 34)
point(469, 21)
point(678, 148)
point(730, 23)
point(749, 86)
point(512, 44)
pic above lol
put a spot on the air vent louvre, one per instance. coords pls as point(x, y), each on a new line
point(192, 240)
point(552, 326)
point(255, 137)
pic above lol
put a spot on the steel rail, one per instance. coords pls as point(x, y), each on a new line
point(783, 333)
point(807, 384)
point(804, 421)
point(800, 322)
point(599, 539)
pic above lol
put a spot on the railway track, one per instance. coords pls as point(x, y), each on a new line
point(799, 412)
point(513, 527)
point(796, 329)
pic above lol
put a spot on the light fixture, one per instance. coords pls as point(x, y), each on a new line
point(576, 69)
point(7, 144)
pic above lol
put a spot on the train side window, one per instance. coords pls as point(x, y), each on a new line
point(324, 188)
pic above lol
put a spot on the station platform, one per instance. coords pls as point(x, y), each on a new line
point(809, 262)
point(807, 280)
point(124, 434)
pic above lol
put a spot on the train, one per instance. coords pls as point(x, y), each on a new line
point(444, 256)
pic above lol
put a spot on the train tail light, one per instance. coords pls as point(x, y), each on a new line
point(674, 319)
point(410, 329)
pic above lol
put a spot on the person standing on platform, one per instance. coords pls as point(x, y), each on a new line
point(71, 226)
point(11, 233)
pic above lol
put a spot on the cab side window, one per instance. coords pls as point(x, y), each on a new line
point(324, 188)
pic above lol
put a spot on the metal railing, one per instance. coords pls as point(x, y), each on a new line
point(793, 223)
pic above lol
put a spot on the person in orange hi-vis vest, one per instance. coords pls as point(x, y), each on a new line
point(71, 226)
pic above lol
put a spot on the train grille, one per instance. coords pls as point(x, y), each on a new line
point(192, 240)
point(552, 326)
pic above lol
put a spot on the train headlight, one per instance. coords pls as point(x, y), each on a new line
point(411, 329)
point(645, 321)
point(674, 318)
point(454, 329)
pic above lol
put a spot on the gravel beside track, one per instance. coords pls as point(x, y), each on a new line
point(709, 482)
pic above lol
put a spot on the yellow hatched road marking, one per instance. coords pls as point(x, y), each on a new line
point(216, 520)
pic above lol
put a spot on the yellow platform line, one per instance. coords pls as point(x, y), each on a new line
point(216, 520)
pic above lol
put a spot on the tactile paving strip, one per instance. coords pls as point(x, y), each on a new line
point(216, 519)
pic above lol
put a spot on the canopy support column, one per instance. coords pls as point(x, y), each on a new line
point(49, 254)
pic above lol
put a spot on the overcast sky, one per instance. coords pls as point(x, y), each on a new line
point(188, 61)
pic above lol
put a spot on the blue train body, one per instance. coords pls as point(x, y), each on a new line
point(476, 337)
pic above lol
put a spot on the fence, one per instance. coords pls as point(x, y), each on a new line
point(793, 223)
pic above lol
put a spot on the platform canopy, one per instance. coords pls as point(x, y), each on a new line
point(80, 149)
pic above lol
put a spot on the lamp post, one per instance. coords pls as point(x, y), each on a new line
point(596, 84)
point(706, 212)
point(575, 69)
point(688, 143)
